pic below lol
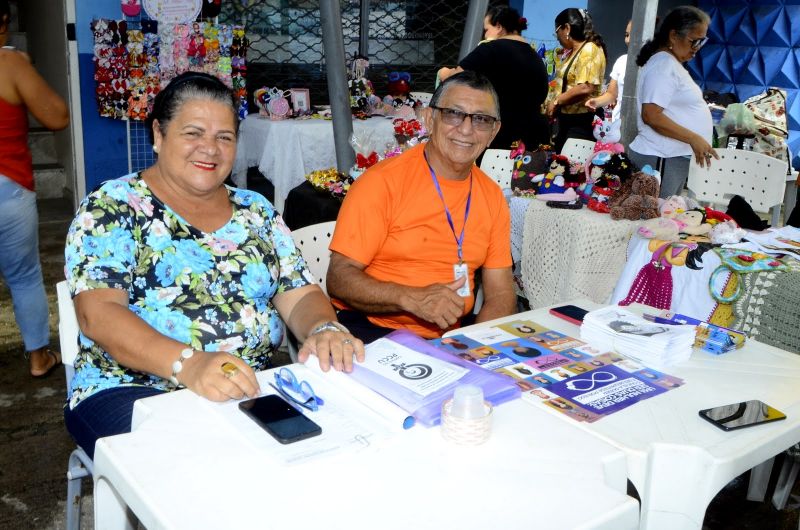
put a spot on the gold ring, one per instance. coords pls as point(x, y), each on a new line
point(229, 369)
point(708, 155)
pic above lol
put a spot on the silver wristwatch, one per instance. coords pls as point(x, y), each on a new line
point(329, 326)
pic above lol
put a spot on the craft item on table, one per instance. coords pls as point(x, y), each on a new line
point(662, 228)
point(272, 102)
point(528, 164)
point(552, 185)
point(360, 87)
point(744, 215)
point(615, 169)
point(131, 8)
point(408, 133)
point(330, 181)
point(715, 216)
point(607, 134)
point(726, 233)
point(737, 262)
point(637, 198)
point(301, 102)
point(693, 222)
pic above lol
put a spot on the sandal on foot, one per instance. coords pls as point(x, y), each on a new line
point(53, 360)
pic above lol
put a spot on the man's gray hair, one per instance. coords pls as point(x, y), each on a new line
point(469, 79)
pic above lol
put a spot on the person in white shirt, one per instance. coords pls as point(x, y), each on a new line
point(674, 122)
point(613, 93)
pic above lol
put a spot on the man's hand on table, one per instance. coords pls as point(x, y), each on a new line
point(437, 303)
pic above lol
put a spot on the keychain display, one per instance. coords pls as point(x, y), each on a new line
point(273, 102)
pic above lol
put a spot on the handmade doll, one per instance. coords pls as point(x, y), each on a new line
point(552, 184)
point(527, 165)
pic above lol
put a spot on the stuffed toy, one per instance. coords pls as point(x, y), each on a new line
point(726, 232)
point(715, 216)
point(694, 222)
point(552, 185)
point(672, 206)
point(639, 200)
point(607, 134)
point(527, 165)
point(661, 228)
point(616, 169)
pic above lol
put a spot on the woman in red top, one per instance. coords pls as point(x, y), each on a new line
point(23, 90)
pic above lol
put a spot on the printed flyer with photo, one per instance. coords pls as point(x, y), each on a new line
point(561, 372)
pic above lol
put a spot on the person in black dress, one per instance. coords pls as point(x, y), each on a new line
point(517, 73)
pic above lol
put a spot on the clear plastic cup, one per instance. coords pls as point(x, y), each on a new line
point(468, 402)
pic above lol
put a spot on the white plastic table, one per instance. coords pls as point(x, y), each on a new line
point(285, 151)
point(677, 461)
point(182, 467)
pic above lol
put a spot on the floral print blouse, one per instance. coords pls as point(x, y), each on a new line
point(588, 66)
point(212, 291)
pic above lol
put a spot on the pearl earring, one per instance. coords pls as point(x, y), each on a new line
point(155, 149)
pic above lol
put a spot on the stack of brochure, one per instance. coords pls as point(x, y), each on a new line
point(616, 329)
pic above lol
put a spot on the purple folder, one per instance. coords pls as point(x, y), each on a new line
point(497, 388)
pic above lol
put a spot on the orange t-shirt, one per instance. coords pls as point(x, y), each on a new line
point(393, 221)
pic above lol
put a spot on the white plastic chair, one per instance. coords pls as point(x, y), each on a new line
point(423, 97)
point(312, 242)
point(80, 465)
point(758, 178)
point(578, 150)
point(497, 164)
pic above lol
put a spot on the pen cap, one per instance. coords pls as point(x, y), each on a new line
point(468, 402)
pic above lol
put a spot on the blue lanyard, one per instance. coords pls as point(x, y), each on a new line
point(459, 239)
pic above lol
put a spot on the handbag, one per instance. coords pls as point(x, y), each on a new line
point(769, 111)
point(739, 262)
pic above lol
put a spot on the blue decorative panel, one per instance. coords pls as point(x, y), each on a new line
point(753, 45)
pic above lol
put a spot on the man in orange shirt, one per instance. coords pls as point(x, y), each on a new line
point(413, 229)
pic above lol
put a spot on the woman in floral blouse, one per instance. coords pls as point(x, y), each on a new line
point(179, 280)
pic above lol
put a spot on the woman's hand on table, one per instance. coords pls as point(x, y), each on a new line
point(703, 152)
point(333, 348)
point(204, 375)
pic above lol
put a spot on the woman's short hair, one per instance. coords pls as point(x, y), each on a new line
point(469, 79)
point(681, 19)
point(506, 17)
point(183, 88)
point(581, 26)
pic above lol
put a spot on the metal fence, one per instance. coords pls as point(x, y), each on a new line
point(415, 36)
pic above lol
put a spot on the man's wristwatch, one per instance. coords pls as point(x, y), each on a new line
point(329, 326)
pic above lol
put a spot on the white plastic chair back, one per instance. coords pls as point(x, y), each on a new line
point(758, 178)
point(79, 465)
point(578, 150)
point(423, 97)
point(313, 241)
point(497, 164)
point(67, 331)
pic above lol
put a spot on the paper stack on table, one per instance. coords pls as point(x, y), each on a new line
point(616, 329)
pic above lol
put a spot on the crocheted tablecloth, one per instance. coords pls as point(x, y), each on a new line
point(769, 308)
point(568, 254)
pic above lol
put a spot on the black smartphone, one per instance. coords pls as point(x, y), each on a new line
point(741, 415)
point(570, 313)
point(276, 416)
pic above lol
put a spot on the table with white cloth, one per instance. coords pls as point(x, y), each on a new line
point(678, 461)
point(285, 151)
point(184, 465)
point(565, 254)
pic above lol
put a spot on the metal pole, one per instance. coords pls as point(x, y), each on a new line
point(338, 93)
point(473, 26)
point(643, 21)
point(363, 30)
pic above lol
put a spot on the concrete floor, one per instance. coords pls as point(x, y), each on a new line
point(34, 446)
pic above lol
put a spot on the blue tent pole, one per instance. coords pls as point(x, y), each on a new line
point(473, 27)
point(338, 93)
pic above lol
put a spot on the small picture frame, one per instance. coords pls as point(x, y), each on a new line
point(301, 101)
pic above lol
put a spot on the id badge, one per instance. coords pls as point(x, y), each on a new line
point(460, 271)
